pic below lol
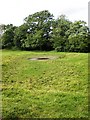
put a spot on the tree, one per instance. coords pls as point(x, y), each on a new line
point(78, 37)
point(35, 33)
point(2, 29)
point(8, 36)
point(61, 25)
point(39, 31)
point(20, 36)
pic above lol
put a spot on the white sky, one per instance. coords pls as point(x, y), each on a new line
point(14, 11)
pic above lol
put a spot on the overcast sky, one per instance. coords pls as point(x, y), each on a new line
point(14, 11)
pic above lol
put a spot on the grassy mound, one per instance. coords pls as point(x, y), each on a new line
point(55, 88)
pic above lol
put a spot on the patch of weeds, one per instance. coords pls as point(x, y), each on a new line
point(62, 56)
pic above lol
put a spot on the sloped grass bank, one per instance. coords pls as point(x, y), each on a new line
point(56, 88)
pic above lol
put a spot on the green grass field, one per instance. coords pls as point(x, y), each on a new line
point(56, 88)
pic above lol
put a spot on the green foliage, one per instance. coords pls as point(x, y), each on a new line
point(40, 31)
point(78, 37)
point(7, 38)
point(59, 33)
point(20, 36)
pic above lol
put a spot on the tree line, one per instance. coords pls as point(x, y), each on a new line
point(40, 31)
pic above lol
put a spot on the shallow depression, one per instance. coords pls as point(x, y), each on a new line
point(42, 58)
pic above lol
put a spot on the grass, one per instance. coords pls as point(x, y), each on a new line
point(55, 88)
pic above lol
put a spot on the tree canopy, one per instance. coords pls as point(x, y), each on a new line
point(40, 31)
